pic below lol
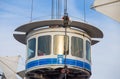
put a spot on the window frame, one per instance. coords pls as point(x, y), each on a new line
point(88, 51)
point(73, 54)
point(38, 45)
point(28, 48)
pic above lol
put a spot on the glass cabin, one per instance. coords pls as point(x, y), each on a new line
point(46, 49)
point(51, 49)
point(53, 44)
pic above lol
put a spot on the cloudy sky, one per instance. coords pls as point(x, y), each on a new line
point(105, 55)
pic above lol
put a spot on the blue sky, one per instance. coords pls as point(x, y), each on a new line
point(105, 55)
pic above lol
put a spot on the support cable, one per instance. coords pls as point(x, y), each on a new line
point(66, 51)
point(52, 9)
point(31, 13)
point(58, 9)
point(66, 19)
point(84, 57)
point(83, 35)
point(84, 11)
point(65, 7)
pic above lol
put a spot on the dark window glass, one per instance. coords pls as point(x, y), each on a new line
point(77, 47)
point(44, 45)
point(31, 48)
point(88, 51)
point(61, 44)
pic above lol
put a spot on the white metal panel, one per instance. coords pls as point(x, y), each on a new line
point(100, 2)
point(110, 8)
point(9, 66)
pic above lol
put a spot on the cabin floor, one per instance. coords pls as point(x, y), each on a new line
point(57, 74)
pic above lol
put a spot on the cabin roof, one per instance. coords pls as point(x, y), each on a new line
point(92, 31)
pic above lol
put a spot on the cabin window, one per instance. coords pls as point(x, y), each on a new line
point(31, 48)
point(88, 51)
point(61, 44)
point(77, 47)
point(44, 45)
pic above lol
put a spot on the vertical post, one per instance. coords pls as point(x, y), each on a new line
point(59, 9)
point(66, 19)
point(52, 10)
point(84, 11)
point(31, 15)
point(56, 9)
point(65, 7)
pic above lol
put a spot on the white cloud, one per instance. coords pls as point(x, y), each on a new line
point(13, 9)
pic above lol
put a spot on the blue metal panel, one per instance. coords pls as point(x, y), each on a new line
point(45, 61)
point(54, 61)
point(70, 62)
point(79, 63)
point(87, 66)
point(32, 64)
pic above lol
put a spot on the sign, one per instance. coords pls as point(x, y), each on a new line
point(60, 59)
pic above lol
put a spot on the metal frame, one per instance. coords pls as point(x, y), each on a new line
point(92, 31)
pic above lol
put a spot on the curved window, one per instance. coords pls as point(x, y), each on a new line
point(61, 44)
point(31, 48)
point(77, 47)
point(44, 45)
point(88, 51)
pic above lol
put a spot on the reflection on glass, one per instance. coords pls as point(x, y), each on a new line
point(31, 48)
point(88, 51)
point(60, 44)
point(77, 47)
point(44, 45)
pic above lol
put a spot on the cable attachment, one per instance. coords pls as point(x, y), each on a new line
point(65, 70)
point(65, 20)
point(65, 17)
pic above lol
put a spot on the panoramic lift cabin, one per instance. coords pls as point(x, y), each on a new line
point(58, 49)
point(47, 46)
